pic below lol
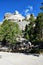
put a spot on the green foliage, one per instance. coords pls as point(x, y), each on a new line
point(41, 6)
point(1, 36)
point(10, 31)
point(39, 27)
point(38, 31)
point(35, 33)
point(26, 32)
point(32, 19)
point(29, 29)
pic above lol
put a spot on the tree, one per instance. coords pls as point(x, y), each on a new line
point(32, 18)
point(41, 6)
point(39, 27)
point(10, 31)
point(26, 32)
point(29, 29)
point(1, 36)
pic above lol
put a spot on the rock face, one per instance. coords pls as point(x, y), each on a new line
point(23, 45)
point(18, 18)
point(27, 17)
point(15, 17)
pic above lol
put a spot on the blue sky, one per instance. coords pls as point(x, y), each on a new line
point(23, 6)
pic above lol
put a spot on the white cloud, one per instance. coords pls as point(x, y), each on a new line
point(26, 11)
point(30, 7)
